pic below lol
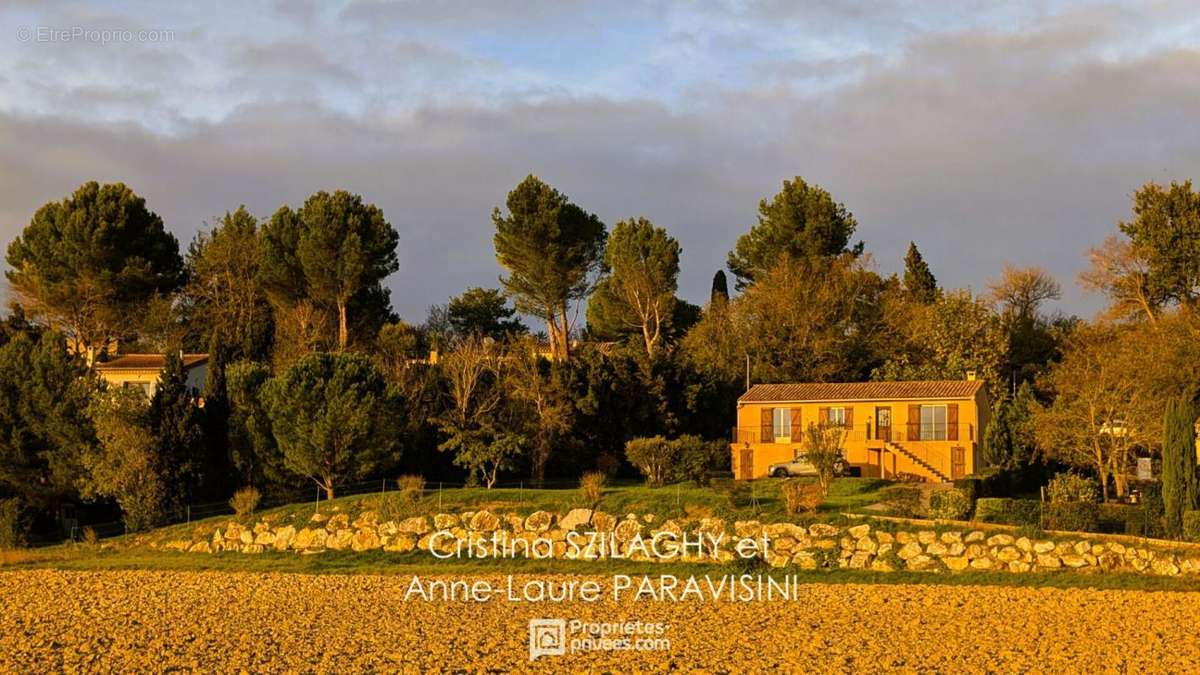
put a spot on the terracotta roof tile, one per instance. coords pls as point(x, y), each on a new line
point(861, 391)
point(148, 362)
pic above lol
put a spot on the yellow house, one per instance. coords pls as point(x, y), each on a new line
point(929, 429)
point(145, 370)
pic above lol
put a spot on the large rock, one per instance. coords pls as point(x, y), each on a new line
point(859, 531)
point(927, 537)
point(308, 538)
point(1165, 566)
point(783, 531)
point(956, 563)
point(1070, 560)
point(603, 522)
point(974, 536)
point(200, 547)
point(339, 540)
point(747, 529)
point(909, 551)
point(1049, 561)
point(1008, 554)
point(403, 543)
point(922, 563)
point(1000, 540)
point(1043, 546)
point(575, 518)
point(284, 537)
point(416, 525)
point(859, 560)
point(338, 521)
point(265, 538)
point(445, 521)
point(626, 530)
point(364, 540)
point(539, 521)
point(822, 530)
point(485, 521)
point(937, 548)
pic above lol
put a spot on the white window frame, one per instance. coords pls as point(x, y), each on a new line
point(781, 423)
point(934, 427)
point(837, 417)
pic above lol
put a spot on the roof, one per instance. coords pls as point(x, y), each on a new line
point(860, 391)
point(149, 362)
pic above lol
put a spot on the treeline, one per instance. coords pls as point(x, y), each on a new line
point(313, 378)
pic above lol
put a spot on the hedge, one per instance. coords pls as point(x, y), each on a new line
point(1114, 518)
point(1191, 525)
point(1071, 516)
point(1149, 521)
point(1008, 511)
point(902, 500)
point(950, 504)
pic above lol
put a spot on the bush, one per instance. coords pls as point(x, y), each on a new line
point(591, 486)
point(412, 487)
point(12, 524)
point(1149, 523)
point(1191, 525)
point(89, 536)
point(802, 497)
point(608, 464)
point(697, 458)
point(244, 501)
point(988, 482)
point(903, 500)
point(1114, 518)
point(1072, 516)
point(654, 457)
point(951, 504)
point(1008, 511)
point(1071, 487)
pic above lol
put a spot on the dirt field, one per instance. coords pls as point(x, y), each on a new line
point(153, 621)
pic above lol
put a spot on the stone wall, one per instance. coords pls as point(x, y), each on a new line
point(788, 545)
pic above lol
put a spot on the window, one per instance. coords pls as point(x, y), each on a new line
point(837, 417)
point(782, 422)
point(933, 422)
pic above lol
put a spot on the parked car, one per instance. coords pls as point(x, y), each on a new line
point(802, 467)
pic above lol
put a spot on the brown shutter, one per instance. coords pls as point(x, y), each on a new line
point(766, 435)
point(952, 422)
point(822, 415)
point(914, 422)
point(797, 428)
point(849, 417)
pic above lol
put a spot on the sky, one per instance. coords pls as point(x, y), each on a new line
point(988, 133)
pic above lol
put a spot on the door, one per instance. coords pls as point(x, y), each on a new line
point(883, 424)
point(745, 463)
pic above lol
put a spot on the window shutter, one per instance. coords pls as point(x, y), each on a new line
point(768, 419)
point(822, 415)
point(849, 417)
point(797, 429)
point(914, 422)
point(952, 422)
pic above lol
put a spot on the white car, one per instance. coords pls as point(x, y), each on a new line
point(802, 467)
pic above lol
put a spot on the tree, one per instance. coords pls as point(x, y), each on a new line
point(1020, 292)
point(125, 464)
point(44, 427)
point(177, 426)
point(334, 250)
point(483, 311)
point(1180, 491)
point(1092, 421)
point(639, 292)
point(551, 249)
point(87, 264)
point(801, 221)
point(919, 282)
point(333, 418)
point(1118, 271)
point(654, 457)
point(224, 291)
point(823, 450)
point(252, 447)
point(943, 340)
point(1010, 441)
point(1165, 233)
point(1019, 296)
point(541, 389)
point(720, 288)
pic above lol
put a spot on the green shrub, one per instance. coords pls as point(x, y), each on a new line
point(244, 501)
point(654, 457)
point(903, 500)
point(1008, 511)
point(1149, 523)
point(1191, 525)
point(802, 497)
point(12, 524)
point(1071, 516)
point(951, 504)
point(697, 459)
point(1072, 487)
point(412, 487)
point(989, 482)
point(591, 487)
point(1114, 518)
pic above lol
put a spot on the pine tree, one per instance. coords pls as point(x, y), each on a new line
point(1179, 488)
point(919, 282)
point(178, 429)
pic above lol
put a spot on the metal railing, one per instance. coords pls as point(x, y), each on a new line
point(963, 432)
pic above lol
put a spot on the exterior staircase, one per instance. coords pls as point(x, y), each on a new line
point(901, 450)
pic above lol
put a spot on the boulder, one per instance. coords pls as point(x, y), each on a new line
point(1165, 566)
point(403, 543)
point(317, 518)
point(1008, 554)
point(747, 529)
point(445, 521)
point(265, 538)
point(1049, 561)
point(805, 560)
point(252, 548)
point(603, 522)
point(937, 548)
point(1024, 544)
point(339, 540)
point(951, 537)
point(515, 523)
point(1001, 540)
point(364, 540)
point(879, 565)
point(538, 521)
point(783, 531)
point(626, 530)
point(416, 525)
point(956, 563)
point(859, 560)
point(574, 518)
point(246, 537)
point(1019, 566)
point(338, 521)
point(1043, 546)
point(822, 530)
point(1070, 560)
point(866, 544)
point(284, 536)
point(884, 537)
point(922, 563)
point(1083, 548)
point(976, 535)
point(982, 564)
point(485, 521)
point(859, 531)
point(926, 537)
point(909, 551)
point(200, 547)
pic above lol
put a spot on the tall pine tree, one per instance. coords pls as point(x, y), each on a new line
point(177, 424)
point(919, 282)
point(720, 288)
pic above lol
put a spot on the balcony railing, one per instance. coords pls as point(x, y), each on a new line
point(963, 432)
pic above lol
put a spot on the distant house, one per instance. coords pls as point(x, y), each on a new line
point(929, 429)
point(145, 371)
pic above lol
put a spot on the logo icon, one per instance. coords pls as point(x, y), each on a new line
point(547, 637)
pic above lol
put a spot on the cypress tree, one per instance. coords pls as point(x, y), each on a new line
point(918, 280)
point(178, 429)
point(1179, 488)
point(720, 288)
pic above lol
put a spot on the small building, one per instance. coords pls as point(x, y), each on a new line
point(928, 429)
point(145, 370)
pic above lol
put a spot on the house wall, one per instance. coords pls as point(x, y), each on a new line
point(864, 444)
point(148, 378)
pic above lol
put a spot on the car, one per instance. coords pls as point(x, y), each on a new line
point(802, 467)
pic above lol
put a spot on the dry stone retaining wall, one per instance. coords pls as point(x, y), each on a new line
point(814, 546)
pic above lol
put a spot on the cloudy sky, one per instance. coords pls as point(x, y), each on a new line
point(987, 135)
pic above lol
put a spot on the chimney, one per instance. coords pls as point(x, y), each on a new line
point(970, 376)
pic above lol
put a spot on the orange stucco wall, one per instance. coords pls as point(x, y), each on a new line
point(864, 444)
